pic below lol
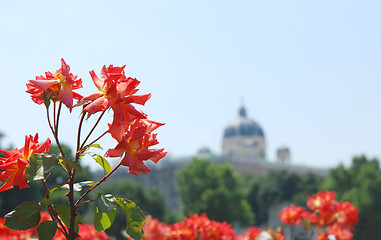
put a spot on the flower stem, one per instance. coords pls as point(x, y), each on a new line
point(54, 131)
point(52, 213)
point(99, 137)
point(73, 208)
point(91, 131)
point(54, 114)
point(58, 118)
point(79, 137)
point(97, 184)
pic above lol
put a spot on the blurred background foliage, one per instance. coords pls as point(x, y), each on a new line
point(213, 189)
point(218, 191)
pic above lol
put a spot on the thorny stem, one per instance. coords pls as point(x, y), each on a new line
point(54, 114)
point(45, 188)
point(48, 117)
point(91, 131)
point(58, 119)
point(54, 131)
point(99, 137)
point(97, 184)
point(73, 208)
point(70, 194)
point(79, 136)
point(52, 213)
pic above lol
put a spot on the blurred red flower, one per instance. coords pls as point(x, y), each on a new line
point(292, 215)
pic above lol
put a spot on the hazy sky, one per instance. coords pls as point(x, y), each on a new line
point(307, 71)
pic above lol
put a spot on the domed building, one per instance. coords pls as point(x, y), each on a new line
point(244, 139)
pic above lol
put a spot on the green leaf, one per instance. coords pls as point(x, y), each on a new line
point(47, 102)
point(72, 164)
point(103, 220)
point(134, 218)
point(47, 202)
point(64, 213)
point(77, 187)
point(83, 184)
point(47, 98)
point(25, 216)
point(95, 145)
point(105, 203)
point(46, 230)
point(101, 161)
point(55, 187)
point(40, 165)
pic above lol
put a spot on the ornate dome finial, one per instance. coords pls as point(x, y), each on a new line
point(242, 111)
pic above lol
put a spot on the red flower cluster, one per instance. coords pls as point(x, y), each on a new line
point(198, 228)
point(193, 228)
point(87, 232)
point(251, 234)
point(201, 227)
point(130, 127)
point(15, 161)
point(337, 217)
point(156, 230)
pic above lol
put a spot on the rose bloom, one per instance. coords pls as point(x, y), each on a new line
point(134, 142)
point(116, 91)
point(59, 85)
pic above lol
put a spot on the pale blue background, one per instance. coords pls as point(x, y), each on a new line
point(307, 71)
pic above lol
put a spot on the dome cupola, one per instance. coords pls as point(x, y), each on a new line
point(243, 126)
point(244, 139)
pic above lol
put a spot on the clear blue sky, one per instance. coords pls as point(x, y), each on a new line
point(307, 71)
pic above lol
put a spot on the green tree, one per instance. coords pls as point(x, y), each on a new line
point(360, 184)
point(279, 187)
point(149, 200)
point(213, 189)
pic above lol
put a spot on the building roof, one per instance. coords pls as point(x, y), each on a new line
point(243, 126)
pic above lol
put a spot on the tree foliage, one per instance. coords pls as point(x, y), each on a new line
point(213, 189)
point(279, 187)
point(360, 184)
